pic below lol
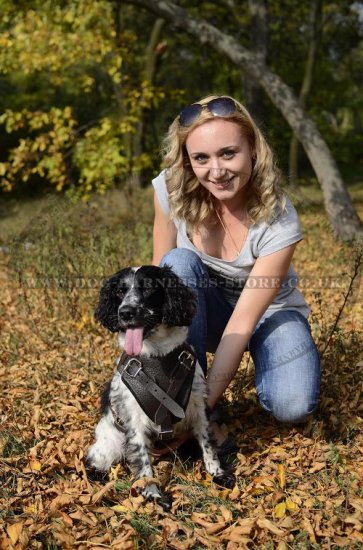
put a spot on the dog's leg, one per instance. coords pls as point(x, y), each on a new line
point(137, 443)
point(110, 444)
point(204, 436)
point(109, 447)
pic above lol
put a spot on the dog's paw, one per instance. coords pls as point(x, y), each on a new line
point(100, 457)
point(225, 479)
point(151, 492)
point(95, 475)
point(165, 502)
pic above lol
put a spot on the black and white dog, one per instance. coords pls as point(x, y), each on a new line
point(158, 390)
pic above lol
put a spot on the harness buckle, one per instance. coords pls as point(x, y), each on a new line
point(186, 359)
point(133, 363)
point(165, 434)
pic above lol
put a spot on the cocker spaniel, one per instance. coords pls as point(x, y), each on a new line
point(158, 390)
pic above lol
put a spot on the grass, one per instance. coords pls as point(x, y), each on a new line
point(55, 361)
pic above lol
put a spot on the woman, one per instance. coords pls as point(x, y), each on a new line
point(226, 228)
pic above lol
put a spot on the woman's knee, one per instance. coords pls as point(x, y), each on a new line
point(186, 264)
point(295, 411)
point(287, 367)
point(292, 409)
point(180, 255)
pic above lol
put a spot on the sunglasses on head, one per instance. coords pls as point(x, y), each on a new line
point(222, 106)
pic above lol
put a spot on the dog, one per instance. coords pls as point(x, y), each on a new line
point(159, 389)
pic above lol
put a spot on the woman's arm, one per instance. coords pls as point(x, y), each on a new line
point(164, 234)
point(267, 276)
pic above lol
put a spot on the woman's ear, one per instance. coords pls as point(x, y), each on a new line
point(180, 303)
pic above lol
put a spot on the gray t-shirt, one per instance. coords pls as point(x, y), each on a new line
point(262, 239)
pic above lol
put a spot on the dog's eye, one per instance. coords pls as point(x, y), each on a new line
point(120, 293)
point(147, 291)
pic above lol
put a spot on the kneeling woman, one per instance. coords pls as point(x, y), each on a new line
point(226, 228)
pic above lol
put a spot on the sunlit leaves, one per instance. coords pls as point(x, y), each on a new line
point(50, 136)
point(73, 49)
point(61, 39)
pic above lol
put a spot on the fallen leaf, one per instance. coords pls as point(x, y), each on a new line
point(280, 510)
point(226, 513)
point(35, 465)
point(287, 523)
point(317, 467)
point(291, 506)
point(265, 523)
point(99, 495)
point(210, 527)
point(239, 531)
point(305, 524)
point(282, 480)
point(120, 508)
point(60, 501)
point(14, 531)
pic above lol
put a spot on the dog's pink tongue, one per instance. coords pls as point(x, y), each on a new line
point(133, 340)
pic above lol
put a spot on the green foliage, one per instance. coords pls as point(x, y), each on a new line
point(80, 137)
point(49, 137)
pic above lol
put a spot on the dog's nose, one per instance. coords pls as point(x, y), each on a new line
point(128, 313)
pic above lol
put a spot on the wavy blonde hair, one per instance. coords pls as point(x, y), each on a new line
point(193, 203)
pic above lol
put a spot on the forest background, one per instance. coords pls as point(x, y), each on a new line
point(87, 91)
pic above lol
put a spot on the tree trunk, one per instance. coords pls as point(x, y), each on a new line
point(315, 30)
point(151, 54)
point(342, 215)
point(259, 33)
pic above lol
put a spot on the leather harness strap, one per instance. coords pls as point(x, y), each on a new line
point(161, 385)
point(133, 369)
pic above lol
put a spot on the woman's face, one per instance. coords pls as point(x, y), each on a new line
point(221, 158)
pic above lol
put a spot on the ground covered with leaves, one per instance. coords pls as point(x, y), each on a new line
point(297, 487)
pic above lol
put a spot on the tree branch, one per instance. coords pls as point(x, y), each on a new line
point(342, 215)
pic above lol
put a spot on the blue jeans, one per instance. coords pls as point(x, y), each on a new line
point(287, 363)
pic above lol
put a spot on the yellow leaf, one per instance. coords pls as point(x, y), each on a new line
point(14, 532)
point(223, 494)
point(120, 508)
point(280, 510)
point(291, 506)
point(282, 545)
point(32, 509)
point(205, 483)
point(282, 481)
point(35, 465)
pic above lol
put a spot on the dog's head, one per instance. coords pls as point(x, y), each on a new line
point(136, 300)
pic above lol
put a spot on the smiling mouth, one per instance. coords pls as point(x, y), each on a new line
point(222, 183)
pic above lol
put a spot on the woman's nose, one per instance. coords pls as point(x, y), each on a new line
point(216, 170)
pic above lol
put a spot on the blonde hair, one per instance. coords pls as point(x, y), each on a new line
point(193, 203)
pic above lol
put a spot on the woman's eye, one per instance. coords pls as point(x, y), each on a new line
point(201, 159)
point(228, 154)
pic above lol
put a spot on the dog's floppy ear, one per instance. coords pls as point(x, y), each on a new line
point(180, 303)
point(107, 307)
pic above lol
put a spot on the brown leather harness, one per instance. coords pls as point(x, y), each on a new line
point(161, 385)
